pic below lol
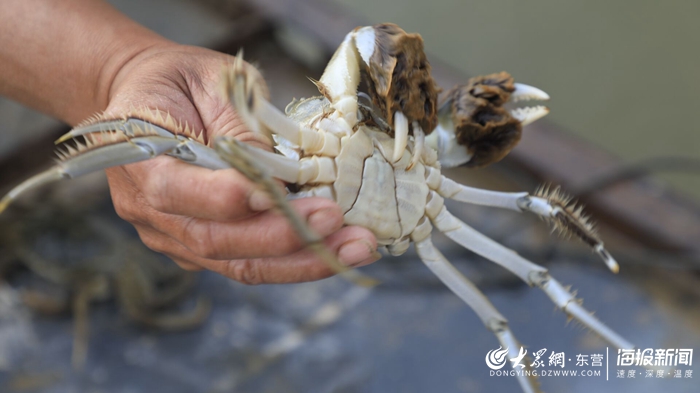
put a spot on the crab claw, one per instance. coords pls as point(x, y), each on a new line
point(528, 115)
point(475, 128)
point(525, 92)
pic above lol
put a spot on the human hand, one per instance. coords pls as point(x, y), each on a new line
point(216, 220)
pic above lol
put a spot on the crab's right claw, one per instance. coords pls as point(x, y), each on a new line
point(104, 150)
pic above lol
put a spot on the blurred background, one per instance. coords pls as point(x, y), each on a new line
point(621, 136)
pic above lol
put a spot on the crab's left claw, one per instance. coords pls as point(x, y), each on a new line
point(475, 128)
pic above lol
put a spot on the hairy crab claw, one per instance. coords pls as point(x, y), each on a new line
point(475, 128)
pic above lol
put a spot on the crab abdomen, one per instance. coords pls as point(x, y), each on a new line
point(375, 193)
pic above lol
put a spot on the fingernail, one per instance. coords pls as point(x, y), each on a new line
point(259, 200)
point(323, 222)
point(358, 253)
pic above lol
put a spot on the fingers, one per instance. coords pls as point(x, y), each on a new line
point(174, 187)
point(268, 234)
point(355, 246)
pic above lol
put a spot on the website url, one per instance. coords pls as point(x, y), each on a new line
point(545, 373)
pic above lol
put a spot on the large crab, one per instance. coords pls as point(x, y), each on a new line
point(376, 153)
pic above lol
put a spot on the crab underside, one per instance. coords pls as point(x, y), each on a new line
point(377, 153)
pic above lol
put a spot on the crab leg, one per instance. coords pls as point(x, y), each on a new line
point(552, 207)
point(190, 149)
point(308, 170)
point(475, 299)
point(529, 272)
point(77, 163)
point(246, 94)
point(130, 126)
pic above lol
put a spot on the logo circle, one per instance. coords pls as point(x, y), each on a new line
point(496, 358)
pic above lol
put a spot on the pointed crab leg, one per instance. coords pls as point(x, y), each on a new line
point(552, 206)
point(529, 272)
point(139, 136)
point(130, 126)
point(80, 162)
point(475, 299)
point(470, 294)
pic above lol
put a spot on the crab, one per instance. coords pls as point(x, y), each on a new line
point(377, 153)
point(78, 259)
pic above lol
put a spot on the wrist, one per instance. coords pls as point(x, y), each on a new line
point(120, 62)
point(116, 61)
